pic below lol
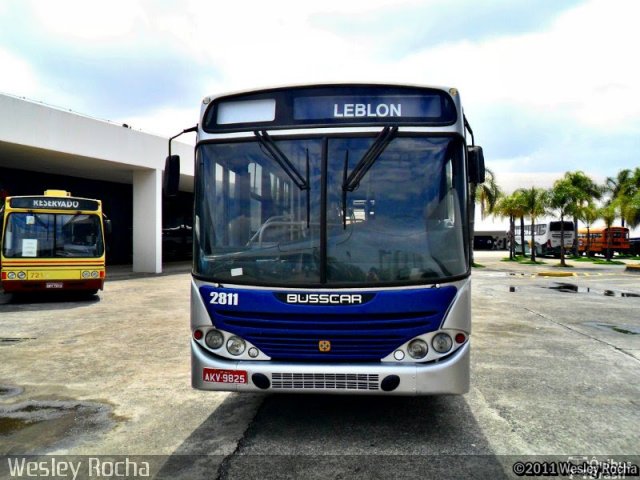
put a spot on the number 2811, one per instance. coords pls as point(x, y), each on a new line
point(221, 298)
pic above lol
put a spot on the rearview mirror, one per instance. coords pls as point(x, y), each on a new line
point(171, 176)
point(476, 165)
point(107, 226)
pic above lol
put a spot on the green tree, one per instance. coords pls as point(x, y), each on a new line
point(620, 190)
point(505, 208)
point(625, 194)
point(633, 209)
point(510, 206)
point(608, 213)
point(586, 191)
point(521, 212)
point(487, 194)
point(561, 198)
point(535, 202)
point(588, 214)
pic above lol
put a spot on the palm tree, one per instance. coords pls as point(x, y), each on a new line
point(487, 194)
point(632, 212)
point(619, 188)
point(585, 191)
point(608, 213)
point(521, 207)
point(506, 207)
point(535, 202)
point(561, 198)
point(588, 214)
point(625, 190)
point(511, 206)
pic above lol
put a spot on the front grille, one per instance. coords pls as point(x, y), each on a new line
point(331, 381)
point(353, 337)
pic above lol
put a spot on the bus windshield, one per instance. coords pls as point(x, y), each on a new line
point(402, 222)
point(48, 235)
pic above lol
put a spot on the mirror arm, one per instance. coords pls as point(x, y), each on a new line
point(468, 127)
point(186, 130)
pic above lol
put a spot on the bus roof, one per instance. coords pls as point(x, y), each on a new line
point(600, 229)
point(269, 88)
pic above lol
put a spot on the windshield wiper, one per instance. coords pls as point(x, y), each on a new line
point(281, 159)
point(289, 168)
point(352, 181)
point(369, 158)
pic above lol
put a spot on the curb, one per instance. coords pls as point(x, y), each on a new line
point(556, 274)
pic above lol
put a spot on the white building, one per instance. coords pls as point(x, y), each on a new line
point(43, 147)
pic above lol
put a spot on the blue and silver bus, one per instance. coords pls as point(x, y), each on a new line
point(332, 237)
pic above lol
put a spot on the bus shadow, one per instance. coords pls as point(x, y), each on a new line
point(323, 436)
point(16, 302)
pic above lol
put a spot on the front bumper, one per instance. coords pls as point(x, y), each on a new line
point(24, 286)
point(447, 376)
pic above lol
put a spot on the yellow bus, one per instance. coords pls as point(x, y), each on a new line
point(52, 242)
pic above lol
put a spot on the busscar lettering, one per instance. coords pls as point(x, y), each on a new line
point(353, 110)
point(324, 298)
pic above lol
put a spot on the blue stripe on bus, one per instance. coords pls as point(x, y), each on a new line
point(366, 332)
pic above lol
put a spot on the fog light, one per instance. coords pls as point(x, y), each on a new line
point(235, 345)
point(86, 274)
point(214, 339)
point(11, 275)
point(253, 352)
point(22, 275)
point(94, 274)
point(442, 343)
point(398, 355)
point(417, 349)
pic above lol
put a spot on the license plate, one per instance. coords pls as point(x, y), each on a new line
point(216, 375)
point(54, 285)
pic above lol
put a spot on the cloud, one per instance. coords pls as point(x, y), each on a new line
point(124, 85)
point(88, 21)
point(22, 80)
point(109, 60)
point(547, 86)
point(401, 28)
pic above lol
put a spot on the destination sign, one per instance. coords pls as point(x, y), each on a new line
point(362, 107)
point(327, 105)
point(52, 203)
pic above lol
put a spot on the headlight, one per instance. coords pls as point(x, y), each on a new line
point(11, 275)
point(94, 274)
point(442, 343)
point(417, 349)
point(235, 345)
point(86, 274)
point(22, 275)
point(214, 339)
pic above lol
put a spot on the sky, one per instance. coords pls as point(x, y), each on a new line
point(548, 86)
